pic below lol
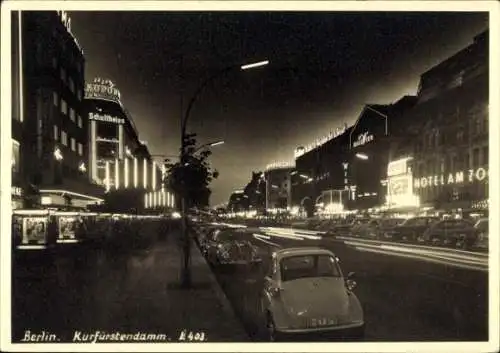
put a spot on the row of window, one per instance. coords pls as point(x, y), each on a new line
point(478, 158)
point(68, 111)
point(64, 140)
point(67, 80)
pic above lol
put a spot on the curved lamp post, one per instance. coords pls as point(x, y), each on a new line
point(186, 272)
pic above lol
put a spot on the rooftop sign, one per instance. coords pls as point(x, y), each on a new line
point(299, 151)
point(102, 89)
point(280, 165)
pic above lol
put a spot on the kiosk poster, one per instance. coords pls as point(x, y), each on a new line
point(34, 230)
point(67, 227)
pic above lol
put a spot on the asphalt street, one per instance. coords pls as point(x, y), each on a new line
point(404, 299)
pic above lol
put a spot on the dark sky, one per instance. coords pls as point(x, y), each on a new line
point(324, 67)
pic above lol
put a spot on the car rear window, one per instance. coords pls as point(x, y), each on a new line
point(306, 266)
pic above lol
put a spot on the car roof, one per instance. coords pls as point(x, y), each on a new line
point(283, 253)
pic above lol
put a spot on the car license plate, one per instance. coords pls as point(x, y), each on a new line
point(321, 322)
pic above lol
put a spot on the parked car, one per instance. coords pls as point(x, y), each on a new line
point(232, 246)
point(376, 228)
point(482, 228)
point(411, 229)
point(346, 228)
point(457, 232)
point(305, 293)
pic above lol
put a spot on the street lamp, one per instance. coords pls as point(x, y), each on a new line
point(186, 272)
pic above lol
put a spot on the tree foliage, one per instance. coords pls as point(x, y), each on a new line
point(191, 177)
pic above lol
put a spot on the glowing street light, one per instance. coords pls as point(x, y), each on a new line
point(58, 155)
point(254, 65)
point(361, 156)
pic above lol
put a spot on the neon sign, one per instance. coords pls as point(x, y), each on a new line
point(299, 151)
point(106, 118)
point(398, 167)
point(280, 165)
point(102, 89)
point(66, 21)
point(363, 139)
point(479, 174)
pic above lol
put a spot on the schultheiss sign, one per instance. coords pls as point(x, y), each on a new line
point(106, 118)
point(102, 89)
point(470, 176)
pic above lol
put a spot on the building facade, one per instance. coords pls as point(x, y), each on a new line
point(49, 133)
point(447, 138)
point(278, 187)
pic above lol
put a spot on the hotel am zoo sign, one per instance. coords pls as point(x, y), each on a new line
point(460, 177)
point(102, 89)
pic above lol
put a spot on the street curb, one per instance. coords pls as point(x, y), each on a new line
point(219, 293)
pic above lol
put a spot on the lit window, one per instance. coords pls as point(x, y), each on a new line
point(64, 107)
point(80, 123)
point(72, 114)
point(55, 99)
point(73, 144)
point(56, 133)
point(80, 149)
point(64, 138)
point(15, 156)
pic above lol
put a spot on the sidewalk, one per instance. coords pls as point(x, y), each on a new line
point(150, 299)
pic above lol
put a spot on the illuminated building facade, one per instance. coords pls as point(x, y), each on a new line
point(277, 177)
point(118, 160)
point(112, 132)
point(49, 134)
point(348, 172)
point(447, 133)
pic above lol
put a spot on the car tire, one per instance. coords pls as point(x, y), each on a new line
point(271, 335)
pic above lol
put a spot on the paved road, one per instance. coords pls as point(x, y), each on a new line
point(404, 299)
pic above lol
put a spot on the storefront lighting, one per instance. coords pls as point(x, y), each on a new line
point(145, 173)
point(68, 192)
point(145, 200)
point(163, 198)
point(153, 171)
point(126, 172)
point(135, 172)
point(176, 215)
point(107, 176)
point(82, 167)
point(117, 176)
point(155, 201)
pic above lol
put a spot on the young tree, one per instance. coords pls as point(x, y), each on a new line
point(191, 180)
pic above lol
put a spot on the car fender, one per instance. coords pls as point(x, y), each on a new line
point(275, 308)
point(356, 311)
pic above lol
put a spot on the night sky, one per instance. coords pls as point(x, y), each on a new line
point(324, 67)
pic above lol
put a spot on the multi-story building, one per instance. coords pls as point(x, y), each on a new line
point(278, 186)
point(348, 170)
point(238, 202)
point(447, 134)
point(48, 129)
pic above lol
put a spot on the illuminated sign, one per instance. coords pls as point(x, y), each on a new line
point(102, 139)
point(399, 185)
point(66, 21)
point(472, 175)
point(16, 191)
point(299, 151)
point(106, 118)
point(102, 89)
point(363, 139)
point(398, 167)
point(280, 165)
